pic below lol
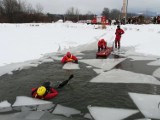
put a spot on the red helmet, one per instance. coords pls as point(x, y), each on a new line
point(68, 54)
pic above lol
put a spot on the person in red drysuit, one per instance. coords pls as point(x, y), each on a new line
point(102, 44)
point(44, 92)
point(69, 58)
point(118, 33)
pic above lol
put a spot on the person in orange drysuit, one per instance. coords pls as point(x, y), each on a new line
point(69, 58)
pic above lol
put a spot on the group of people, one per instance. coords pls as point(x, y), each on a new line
point(102, 44)
point(46, 92)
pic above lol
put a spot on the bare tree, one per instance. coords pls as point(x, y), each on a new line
point(72, 14)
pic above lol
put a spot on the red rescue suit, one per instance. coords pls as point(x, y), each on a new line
point(118, 33)
point(48, 95)
point(72, 58)
point(102, 45)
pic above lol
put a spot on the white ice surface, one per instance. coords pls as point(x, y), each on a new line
point(156, 73)
point(98, 71)
point(71, 66)
point(88, 115)
point(28, 101)
point(106, 113)
point(148, 104)
point(5, 106)
point(105, 64)
point(66, 111)
point(122, 76)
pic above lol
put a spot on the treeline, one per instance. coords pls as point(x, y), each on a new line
point(17, 11)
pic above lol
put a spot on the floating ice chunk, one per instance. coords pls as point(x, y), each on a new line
point(87, 115)
point(122, 76)
point(142, 58)
point(28, 101)
point(143, 119)
point(66, 111)
point(45, 106)
point(105, 64)
point(98, 71)
point(156, 73)
point(105, 113)
point(148, 104)
point(70, 66)
point(5, 106)
point(154, 63)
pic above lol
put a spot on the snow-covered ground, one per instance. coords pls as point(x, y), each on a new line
point(28, 45)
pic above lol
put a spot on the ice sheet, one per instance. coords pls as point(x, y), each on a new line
point(105, 64)
point(28, 101)
point(122, 76)
point(148, 104)
point(71, 66)
point(156, 73)
point(66, 111)
point(106, 113)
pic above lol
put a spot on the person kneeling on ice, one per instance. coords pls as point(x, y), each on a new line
point(69, 58)
point(102, 44)
point(45, 91)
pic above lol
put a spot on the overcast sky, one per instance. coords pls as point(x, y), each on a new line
point(95, 6)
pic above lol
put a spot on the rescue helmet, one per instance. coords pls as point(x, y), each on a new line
point(41, 90)
point(68, 54)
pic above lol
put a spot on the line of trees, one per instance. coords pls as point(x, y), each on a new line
point(17, 11)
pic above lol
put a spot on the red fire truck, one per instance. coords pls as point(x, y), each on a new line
point(99, 20)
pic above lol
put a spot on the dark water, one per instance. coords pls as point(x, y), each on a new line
point(80, 92)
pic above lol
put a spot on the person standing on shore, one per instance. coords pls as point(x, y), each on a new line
point(118, 33)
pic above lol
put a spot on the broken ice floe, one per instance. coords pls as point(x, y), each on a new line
point(122, 76)
point(148, 104)
point(105, 64)
point(66, 111)
point(71, 66)
point(5, 106)
point(106, 113)
point(156, 73)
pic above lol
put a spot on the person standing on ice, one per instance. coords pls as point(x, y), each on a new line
point(102, 44)
point(69, 58)
point(118, 33)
